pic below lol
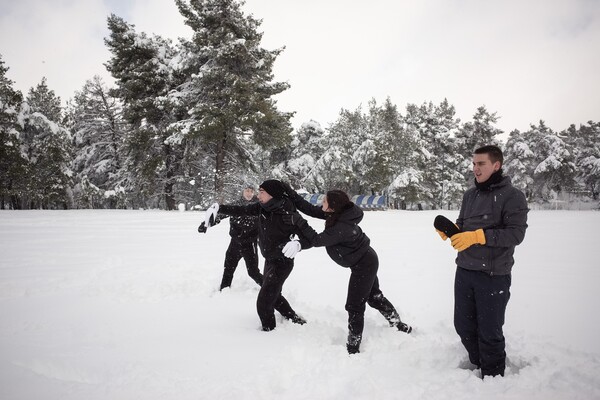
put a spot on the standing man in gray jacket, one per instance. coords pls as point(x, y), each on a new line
point(492, 220)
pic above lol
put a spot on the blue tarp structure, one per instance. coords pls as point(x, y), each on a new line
point(362, 200)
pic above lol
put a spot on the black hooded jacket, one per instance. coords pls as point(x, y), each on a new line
point(345, 242)
point(273, 233)
point(244, 228)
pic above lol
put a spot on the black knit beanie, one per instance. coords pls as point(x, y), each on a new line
point(274, 187)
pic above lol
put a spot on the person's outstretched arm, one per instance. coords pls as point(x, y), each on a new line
point(305, 206)
point(231, 210)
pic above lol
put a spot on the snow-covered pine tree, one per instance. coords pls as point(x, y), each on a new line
point(230, 85)
point(144, 77)
point(585, 143)
point(98, 140)
point(555, 169)
point(12, 164)
point(306, 148)
point(341, 166)
point(519, 162)
point(407, 187)
point(366, 161)
point(478, 132)
point(442, 179)
point(383, 147)
point(398, 141)
point(45, 143)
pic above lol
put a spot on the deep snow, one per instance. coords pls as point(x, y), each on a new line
point(123, 305)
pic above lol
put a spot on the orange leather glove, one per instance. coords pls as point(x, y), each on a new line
point(442, 234)
point(464, 240)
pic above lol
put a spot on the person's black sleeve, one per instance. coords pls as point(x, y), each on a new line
point(251, 209)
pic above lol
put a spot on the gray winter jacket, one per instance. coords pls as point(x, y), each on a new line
point(501, 211)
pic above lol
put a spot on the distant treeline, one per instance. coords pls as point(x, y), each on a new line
point(195, 121)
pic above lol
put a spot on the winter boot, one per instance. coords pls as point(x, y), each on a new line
point(353, 344)
point(394, 320)
point(402, 327)
point(296, 319)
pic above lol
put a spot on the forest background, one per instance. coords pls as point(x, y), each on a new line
point(195, 121)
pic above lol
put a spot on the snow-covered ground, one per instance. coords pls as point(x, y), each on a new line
point(123, 305)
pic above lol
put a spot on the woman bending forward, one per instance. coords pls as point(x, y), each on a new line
point(348, 246)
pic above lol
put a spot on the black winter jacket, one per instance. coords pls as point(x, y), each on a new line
point(345, 242)
point(501, 211)
point(243, 228)
point(273, 233)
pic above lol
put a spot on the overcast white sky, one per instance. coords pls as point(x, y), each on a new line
point(524, 59)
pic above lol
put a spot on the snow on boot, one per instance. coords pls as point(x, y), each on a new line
point(297, 319)
point(402, 327)
point(353, 344)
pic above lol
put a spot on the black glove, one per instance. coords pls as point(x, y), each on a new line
point(293, 219)
point(445, 226)
point(291, 193)
point(202, 228)
point(288, 191)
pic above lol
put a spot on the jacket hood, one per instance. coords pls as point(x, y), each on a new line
point(352, 214)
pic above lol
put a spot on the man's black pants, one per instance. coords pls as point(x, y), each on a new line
point(235, 252)
point(479, 306)
point(270, 297)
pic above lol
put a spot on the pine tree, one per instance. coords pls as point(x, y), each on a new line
point(408, 186)
point(12, 165)
point(98, 140)
point(363, 151)
point(519, 163)
point(442, 180)
point(45, 143)
point(479, 132)
point(306, 148)
point(585, 143)
point(401, 141)
point(555, 169)
point(145, 78)
point(383, 147)
point(230, 85)
point(342, 165)
point(397, 141)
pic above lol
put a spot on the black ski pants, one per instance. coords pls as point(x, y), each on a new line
point(363, 288)
point(235, 252)
point(479, 306)
point(270, 297)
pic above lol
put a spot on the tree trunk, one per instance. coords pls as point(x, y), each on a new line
point(169, 198)
point(169, 165)
point(219, 170)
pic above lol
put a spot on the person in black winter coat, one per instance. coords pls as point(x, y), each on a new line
point(244, 235)
point(349, 247)
point(493, 220)
point(273, 238)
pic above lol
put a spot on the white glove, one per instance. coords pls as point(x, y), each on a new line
point(291, 248)
point(211, 215)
